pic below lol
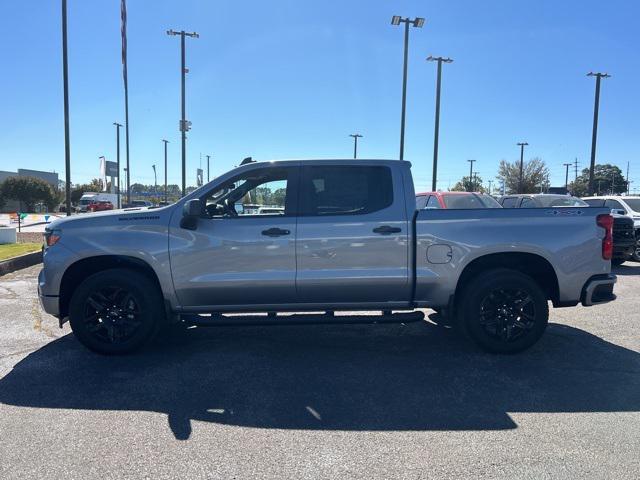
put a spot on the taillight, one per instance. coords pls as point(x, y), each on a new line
point(606, 221)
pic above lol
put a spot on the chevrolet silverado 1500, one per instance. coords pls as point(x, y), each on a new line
point(339, 235)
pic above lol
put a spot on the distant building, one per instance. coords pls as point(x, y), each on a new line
point(50, 177)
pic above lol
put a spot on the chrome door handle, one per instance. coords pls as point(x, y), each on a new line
point(386, 230)
point(275, 232)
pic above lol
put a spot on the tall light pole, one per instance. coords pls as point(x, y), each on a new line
point(208, 160)
point(470, 173)
point(155, 181)
point(165, 169)
point(184, 124)
point(490, 184)
point(65, 81)
point(118, 126)
point(521, 179)
point(417, 22)
point(436, 133)
point(355, 136)
point(594, 135)
point(566, 175)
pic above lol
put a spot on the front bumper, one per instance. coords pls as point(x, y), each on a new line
point(49, 303)
point(598, 290)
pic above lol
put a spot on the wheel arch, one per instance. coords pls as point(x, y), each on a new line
point(82, 269)
point(530, 264)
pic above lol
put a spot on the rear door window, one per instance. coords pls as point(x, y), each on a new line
point(433, 202)
point(345, 190)
point(527, 203)
point(509, 202)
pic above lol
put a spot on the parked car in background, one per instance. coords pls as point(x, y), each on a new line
point(455, 200)
point(627, 206)
point(138, 204)
point(90, 197)
point(100, 206)
point(350, 239)
point(540, 200)
point(624, 239)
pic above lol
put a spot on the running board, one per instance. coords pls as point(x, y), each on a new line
point(218, 320)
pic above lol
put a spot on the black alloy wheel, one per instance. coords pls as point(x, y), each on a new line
point(507, 314)
point(502, 310)
point(116, 311)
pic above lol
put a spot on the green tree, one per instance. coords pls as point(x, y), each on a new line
point(607, 179)
point(29, 191)
point(534, 174)
point(465, 185)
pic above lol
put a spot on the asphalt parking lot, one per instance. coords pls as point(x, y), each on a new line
point(389, 401)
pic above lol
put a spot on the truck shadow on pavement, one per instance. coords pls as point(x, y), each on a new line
point(382, 378)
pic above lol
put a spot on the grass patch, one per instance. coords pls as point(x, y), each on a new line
point(15, 249)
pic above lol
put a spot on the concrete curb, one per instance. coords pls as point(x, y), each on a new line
point(17, 263)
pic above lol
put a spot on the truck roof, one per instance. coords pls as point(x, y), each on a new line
point(349, 161)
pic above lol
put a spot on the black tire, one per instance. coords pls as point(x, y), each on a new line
point(116, 311)
point(503, 311)
point(635, 256)
point(616, 262)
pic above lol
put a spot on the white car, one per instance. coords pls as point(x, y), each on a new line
point(626, 205)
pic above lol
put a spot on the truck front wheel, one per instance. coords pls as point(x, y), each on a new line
point(115, 311)
point(503, 311)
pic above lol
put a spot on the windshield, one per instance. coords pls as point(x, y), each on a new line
point(561, 201)
point(473, 200)
point(634, 203)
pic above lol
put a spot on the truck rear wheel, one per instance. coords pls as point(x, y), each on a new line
point(115, 311)
point(503, 311)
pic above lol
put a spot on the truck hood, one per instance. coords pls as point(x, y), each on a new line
point(126, 216)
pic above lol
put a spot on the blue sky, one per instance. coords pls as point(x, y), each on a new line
point(292, 79)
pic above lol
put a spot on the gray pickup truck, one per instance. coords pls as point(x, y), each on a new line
point(335, 235)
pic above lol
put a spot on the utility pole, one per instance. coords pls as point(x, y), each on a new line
point(490, 184)
point(118, 125)
point(65, 81)
point(155, 181)
point(185, 126)
point(575, 166)
point(627, 177)
point(165, 169)
point(471, 173)
point(566, 176)
point(436, 133)
point(208, 159)
point(594, 135)
point(520, 182)
point(355, 136)
point(417, 22)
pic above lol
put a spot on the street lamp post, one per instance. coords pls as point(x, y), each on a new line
point(594, 135)
point(208, 159)
point(417, 22)
point(165, 169)
point(566, 175)
point(155, 181)
point(355, 136)
point(184, 125)
point(436, 134)
point(471, 173)
point(521, 179)
point(65, 81)
point(118, 126)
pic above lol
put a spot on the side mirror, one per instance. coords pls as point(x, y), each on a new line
point(618, 211)
point(191, 211)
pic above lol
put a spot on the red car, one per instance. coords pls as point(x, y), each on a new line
point(460, 200)
point(100, 206)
